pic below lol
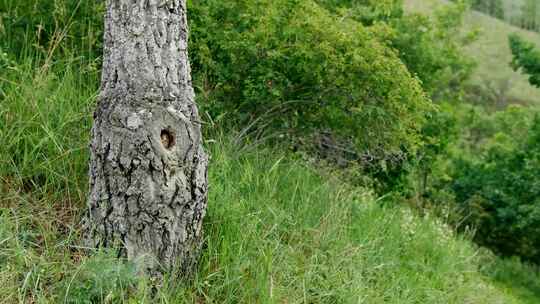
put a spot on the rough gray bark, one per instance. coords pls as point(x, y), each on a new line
point(148, 181)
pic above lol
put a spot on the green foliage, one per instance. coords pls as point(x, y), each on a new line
point(430, 46)
point(321, 71)
point(326, 83)
point(482, 130)
point(432, 49)
point(439, 133)
point(526, 57)
point(486, 176)
point(497, 186)
point(293, 67)
point(366, 11)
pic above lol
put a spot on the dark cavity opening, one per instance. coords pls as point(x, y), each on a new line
point(167, 139)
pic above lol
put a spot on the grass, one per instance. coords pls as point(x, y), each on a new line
point(492, 53)
point(513, 10)
point(516, 278)
point(277, 230)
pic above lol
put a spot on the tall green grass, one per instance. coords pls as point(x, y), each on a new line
point(44, 129)
point(277, 230)
point(49, 72)
point(516, 278)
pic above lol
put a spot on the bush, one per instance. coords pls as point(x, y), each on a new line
point(366, 11)
point(432, 49)
point(499, 190)
point(321, 71)
point(430, 46)
point(525, 57)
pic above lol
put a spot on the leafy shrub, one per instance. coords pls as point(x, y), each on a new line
point(366, 11)
point(430, 46)
point(432, 49)
point(358, 69)
point(486, 178)
point(297, 67)
point(499, 191)
point(319, 70)
point(525, 57)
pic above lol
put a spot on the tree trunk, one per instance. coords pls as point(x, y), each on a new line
point(148, 171)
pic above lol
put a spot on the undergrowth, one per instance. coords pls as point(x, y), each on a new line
point(277, 230)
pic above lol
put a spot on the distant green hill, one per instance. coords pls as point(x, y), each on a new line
point(512, 9)
point(491, 51)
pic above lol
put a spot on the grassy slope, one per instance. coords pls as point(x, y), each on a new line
point(277, 231)
point(491, 51)
point(512, 9)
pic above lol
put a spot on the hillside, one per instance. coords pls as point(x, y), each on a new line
point(278, 231)
point(512, 9)
point(491, 52)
